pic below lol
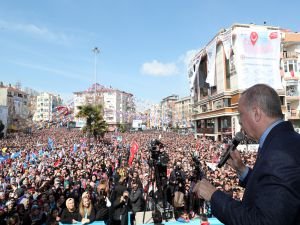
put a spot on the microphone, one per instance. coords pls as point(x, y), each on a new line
point(235, 142)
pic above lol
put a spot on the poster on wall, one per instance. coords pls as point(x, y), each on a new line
point(257, 57)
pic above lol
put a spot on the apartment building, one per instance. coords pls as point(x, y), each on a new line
point(167, 111)
point(154, 116)
point(46, 104)
point(14, 102)
point(118, 106)
point(235, 59)
point(183, 114)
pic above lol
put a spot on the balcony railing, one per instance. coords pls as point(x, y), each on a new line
point(205, 130)
point(225, 130)
point(293, 114)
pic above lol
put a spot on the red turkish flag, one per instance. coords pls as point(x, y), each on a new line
point(133, 150)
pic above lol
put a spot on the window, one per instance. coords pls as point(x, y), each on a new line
point(291, 65)
point(227, 102)
point(285, 67)
point(210, 123)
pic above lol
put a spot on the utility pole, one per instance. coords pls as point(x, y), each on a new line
point(96, 51)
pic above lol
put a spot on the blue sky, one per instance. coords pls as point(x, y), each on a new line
point(145, 45)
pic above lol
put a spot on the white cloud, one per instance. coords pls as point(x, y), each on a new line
point(36, 31)
point(187, 57)
point(157, 68)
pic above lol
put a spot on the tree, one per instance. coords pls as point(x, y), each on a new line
point(122, 128)
point(95, 124)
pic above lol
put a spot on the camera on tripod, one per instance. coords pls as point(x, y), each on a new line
point(158, 157)
point(198, 174)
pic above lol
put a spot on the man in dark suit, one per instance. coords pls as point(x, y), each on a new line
point(120, 209)
point(272, 187)
point(136, 200)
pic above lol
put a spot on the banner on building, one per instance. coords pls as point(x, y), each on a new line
point(211, 62)
point(257, 57)
point(226, 40)
point(193, 71)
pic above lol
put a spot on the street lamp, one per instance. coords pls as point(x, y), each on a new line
point(96, 51)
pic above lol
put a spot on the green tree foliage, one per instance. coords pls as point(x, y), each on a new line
point(95, 124)
point(122, 128)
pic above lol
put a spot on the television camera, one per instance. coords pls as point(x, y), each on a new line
point(198, 173)
point(158, 157)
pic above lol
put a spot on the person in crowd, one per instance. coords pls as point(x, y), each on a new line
point(120, 209)
point(272, 186)
point(183, 217)
point(103, 203)
point(13, 220)
point(137, 200)
point(70, 213)
point(157, 217)
point(37, 216)
point(135, 178)
point(53, 215)
point(86, 209)
point(119, 188)
point(102, 210)
point(204, 220)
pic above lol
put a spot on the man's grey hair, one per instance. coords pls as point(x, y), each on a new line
point(264, 97)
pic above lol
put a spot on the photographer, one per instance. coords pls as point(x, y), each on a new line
point(120, 209)
point(177, 186)
point(195, 202)
point(177, 178)
point(102, 204)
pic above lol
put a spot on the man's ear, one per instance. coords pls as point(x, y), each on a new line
point(257, 114)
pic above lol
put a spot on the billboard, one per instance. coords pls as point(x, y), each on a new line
point(137, 124)
point(257, 57)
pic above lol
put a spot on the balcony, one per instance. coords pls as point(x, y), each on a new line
point(293, 114)
point(292, 93)
point(205, 130)
point(289, 55)
point(225, 130)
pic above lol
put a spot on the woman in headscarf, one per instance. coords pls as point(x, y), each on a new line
point(70, 213)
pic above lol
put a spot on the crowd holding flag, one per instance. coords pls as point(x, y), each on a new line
point(133, 150)
point(50, 143)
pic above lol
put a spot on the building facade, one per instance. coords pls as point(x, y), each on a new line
point(4, 117)
point(154, 116)
point(183, 114)
point(167, 111)
point(46, 104)
point(16, 102)
point(235, 59)
point(118, 106)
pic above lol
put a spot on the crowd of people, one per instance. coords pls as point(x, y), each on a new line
point(59, 175)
